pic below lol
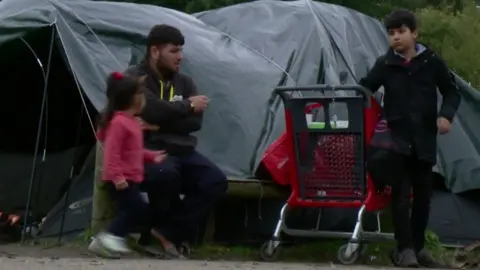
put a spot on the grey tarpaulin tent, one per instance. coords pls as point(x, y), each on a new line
point(236, 55)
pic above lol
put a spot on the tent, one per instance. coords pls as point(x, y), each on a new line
point(236, 55)
point(46, 133)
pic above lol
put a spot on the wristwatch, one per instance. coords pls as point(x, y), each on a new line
point(192, 107)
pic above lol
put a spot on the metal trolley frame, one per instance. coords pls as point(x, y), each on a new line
point(329, 168)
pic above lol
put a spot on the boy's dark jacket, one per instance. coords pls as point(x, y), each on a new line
point(410, 100)
point(176, 119)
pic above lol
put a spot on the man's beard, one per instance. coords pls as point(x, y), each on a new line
point(163, 69)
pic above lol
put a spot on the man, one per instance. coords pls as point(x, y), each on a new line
point(410, 74)
point(173, 111)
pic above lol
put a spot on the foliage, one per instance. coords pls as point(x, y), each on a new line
point(456, 37)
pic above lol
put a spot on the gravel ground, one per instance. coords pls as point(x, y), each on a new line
point(32, 263)
point(17, 257)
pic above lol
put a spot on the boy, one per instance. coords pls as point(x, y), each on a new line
point(410, 74)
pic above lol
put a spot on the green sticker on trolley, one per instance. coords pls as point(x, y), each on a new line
point(321, 125)
point(316, 125)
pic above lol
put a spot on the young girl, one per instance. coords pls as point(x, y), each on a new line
point(123, 160)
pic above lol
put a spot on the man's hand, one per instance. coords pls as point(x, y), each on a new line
point(199, 103)
point(121, 185)
point(444, 126)
point(147, 126)
point(160, 157)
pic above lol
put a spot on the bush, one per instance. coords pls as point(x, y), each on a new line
point(456, 37)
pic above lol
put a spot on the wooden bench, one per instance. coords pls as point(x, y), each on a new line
point(104, 210)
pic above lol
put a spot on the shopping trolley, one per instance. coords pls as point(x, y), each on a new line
point(329, 169)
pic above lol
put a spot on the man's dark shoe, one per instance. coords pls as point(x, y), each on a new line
point(145, 239)
point(404, 258)
point(425, 259)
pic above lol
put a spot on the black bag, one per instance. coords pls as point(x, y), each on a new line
point(383, 158)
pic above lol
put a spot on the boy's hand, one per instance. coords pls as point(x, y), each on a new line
point(160, 156)
point(121, 185)
point(444, 126)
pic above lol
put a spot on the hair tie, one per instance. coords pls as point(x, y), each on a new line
point(117, 75)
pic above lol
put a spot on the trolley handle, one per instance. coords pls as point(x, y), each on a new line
point(282, 91)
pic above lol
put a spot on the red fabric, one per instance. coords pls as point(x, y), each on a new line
point(276, 160)
point(124, 155)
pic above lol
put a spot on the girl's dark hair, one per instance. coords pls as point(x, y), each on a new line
point(121, 89)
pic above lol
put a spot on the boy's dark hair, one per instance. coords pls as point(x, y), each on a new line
point(399, 18)
point(121, 89)
point(163, 34)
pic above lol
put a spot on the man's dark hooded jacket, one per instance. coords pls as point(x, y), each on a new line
point(410, 100)
point(176, 119)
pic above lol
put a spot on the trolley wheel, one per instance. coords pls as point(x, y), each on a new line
point(184, 249)
point(348, 260)
point(266, 256)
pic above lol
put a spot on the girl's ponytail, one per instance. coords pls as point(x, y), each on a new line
point(114, 81)
point(106, 116)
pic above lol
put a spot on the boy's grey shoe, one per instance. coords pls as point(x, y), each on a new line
point(425, 259)
point(404, 258)
point(96, 248)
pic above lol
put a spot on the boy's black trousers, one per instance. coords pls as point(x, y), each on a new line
point(415, 176)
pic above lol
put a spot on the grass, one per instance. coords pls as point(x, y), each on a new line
point(325, 251)
point(318, 251)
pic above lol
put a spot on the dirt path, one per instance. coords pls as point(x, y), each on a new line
point(15, 257)
point(30, 263)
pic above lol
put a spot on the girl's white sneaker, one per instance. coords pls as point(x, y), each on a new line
point(96, 248)
point(113, 243)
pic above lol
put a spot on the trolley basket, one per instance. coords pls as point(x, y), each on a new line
point(328, 143)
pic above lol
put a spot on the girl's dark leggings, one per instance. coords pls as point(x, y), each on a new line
point(132, 209)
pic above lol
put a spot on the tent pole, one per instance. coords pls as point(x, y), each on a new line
point(37, 141)
point(40, 64)
point(38, 185)
point(72, 170)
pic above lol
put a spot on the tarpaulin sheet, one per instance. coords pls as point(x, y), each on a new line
point(236, 56)
point(458, 158)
